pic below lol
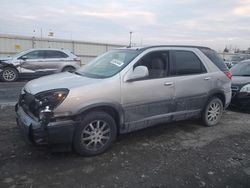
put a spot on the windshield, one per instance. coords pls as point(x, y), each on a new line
point(241, 69)
point(109, 63)
point(19, 54)
point(236, 58)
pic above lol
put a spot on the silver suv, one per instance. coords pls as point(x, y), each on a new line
point(37, 62)
point(122, 91)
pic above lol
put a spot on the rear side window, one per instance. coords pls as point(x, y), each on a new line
point(186, 63)
point(215, 58)
point(54, 54)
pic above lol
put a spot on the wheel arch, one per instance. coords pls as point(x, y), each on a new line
point(5, 65)
point(67, 66)
point(220, 94)
point(114, 110)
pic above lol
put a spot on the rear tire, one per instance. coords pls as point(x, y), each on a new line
point(212, 112)
point(95, 134)
point(9, 74)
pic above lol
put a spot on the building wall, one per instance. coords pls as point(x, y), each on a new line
point(10, 45)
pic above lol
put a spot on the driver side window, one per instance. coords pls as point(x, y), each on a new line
point(34, 55)
point(157, 64)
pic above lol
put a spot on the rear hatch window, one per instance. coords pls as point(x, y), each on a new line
point(215, 58)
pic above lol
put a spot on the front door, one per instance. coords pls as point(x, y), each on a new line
point(30, 62)
point(151, 99)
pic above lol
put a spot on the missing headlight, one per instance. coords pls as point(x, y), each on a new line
point(51, 98)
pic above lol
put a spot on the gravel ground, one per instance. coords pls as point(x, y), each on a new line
point(182, 154)
point(9, 92)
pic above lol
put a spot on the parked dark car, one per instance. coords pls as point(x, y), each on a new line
point(241, 84)
point(235, 59)
point(37, 62)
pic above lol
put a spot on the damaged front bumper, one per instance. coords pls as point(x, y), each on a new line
point(57, 134)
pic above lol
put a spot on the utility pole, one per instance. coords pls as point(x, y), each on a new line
point(130, 39)
point(41, 30)
point(33, 39)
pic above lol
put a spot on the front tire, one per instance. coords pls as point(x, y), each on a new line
point(95, 134)
point(212, 112)
point(9, 74)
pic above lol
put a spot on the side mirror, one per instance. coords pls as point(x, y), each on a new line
point(137, 74)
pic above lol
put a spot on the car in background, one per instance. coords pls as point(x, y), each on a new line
point(37, 62)
point(241, 85)
point(235, 59)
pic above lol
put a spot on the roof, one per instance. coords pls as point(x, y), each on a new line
point(158, 46)
point(60, 49)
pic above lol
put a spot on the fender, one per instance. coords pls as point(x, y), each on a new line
point(114, 105)
point(217, 91)
point(4, 64)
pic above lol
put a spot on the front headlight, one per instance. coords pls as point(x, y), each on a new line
point(51, 98)
point(245, 89)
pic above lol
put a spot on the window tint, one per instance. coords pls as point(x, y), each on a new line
point(34, 55)
point(186, 63)
point(215, 58)
point(54, 54)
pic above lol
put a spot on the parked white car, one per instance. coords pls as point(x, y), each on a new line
point(36, 63)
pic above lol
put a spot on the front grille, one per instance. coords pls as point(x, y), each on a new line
point(233, 93)
point(234, 88)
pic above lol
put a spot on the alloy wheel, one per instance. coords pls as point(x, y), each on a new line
point(96, 135)
point(9, 75)
point(214, 112)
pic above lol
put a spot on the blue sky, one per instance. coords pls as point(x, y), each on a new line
point(213, 23)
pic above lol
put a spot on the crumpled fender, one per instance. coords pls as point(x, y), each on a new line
point(3, 64)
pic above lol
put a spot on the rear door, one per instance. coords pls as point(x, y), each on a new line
point(192, 82)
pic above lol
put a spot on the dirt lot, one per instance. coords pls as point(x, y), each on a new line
point(183, 154)
point(9, 92)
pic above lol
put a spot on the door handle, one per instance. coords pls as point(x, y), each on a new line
point(168, 84)
point(207, 78)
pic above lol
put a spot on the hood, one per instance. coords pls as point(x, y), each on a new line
point(62, 80)
point(240, 80)
point(5, 58)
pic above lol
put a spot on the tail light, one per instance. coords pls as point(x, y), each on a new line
point(78, 60)
point(229, 74)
